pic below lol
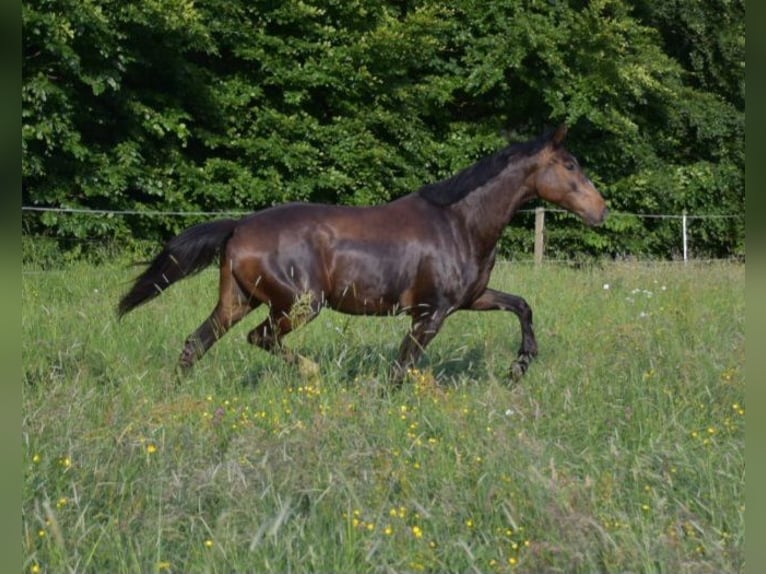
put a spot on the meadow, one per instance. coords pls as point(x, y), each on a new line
point(621, 450)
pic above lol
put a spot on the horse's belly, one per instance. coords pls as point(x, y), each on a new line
point(365, 298)
point(369, 286)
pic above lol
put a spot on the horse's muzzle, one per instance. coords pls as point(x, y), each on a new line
point(596, 220)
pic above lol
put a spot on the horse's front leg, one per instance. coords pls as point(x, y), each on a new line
point(423, 330)
point(492, 300)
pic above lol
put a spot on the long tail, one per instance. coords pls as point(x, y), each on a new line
point(184, 255)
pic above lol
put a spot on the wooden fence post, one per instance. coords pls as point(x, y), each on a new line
point(539, 226)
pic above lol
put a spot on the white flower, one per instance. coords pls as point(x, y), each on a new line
point(606, 286)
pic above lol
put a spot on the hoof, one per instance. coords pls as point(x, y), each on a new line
point(185, 362)
point(183, 366)
point(307, 368)
point(189, 355)
point(396, 375)
point(517, 371)
point(520, 366)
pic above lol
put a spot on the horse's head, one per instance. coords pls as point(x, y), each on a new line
point(560, 180)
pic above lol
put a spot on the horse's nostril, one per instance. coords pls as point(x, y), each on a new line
point(599, 219)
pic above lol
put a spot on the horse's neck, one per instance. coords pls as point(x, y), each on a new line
point(487, 210)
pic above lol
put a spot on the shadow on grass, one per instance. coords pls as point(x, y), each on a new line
point(350, 366)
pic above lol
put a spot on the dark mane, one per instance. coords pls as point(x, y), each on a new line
point(455, 188)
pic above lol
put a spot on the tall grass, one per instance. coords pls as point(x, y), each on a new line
point(621, 450)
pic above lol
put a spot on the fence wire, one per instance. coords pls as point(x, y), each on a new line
point(539, 250)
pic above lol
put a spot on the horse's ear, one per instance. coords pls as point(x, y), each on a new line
point(559, 135)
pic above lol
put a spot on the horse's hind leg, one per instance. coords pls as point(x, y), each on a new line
point(232, 306)
point(281, 321)
point(497, 300)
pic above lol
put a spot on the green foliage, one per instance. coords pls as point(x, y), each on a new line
point(232, 106)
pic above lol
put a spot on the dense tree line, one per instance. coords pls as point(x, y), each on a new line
point(220, 105)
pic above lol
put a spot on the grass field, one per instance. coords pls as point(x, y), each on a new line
point(621, 450)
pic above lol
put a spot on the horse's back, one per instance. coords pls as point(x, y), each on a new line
point(300, 222)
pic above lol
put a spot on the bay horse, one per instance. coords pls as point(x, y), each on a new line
point(426, 254)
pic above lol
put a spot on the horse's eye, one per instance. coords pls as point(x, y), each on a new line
point(570, 165)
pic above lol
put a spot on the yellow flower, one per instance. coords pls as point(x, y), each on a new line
point(36, 459)
point(388, 530)
point(36, 568)
point(401, 512)
point(417, 532)
point(151, 448)
point(62, 502)
point(208, 543)
point(469, 523)
point(162, 566)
